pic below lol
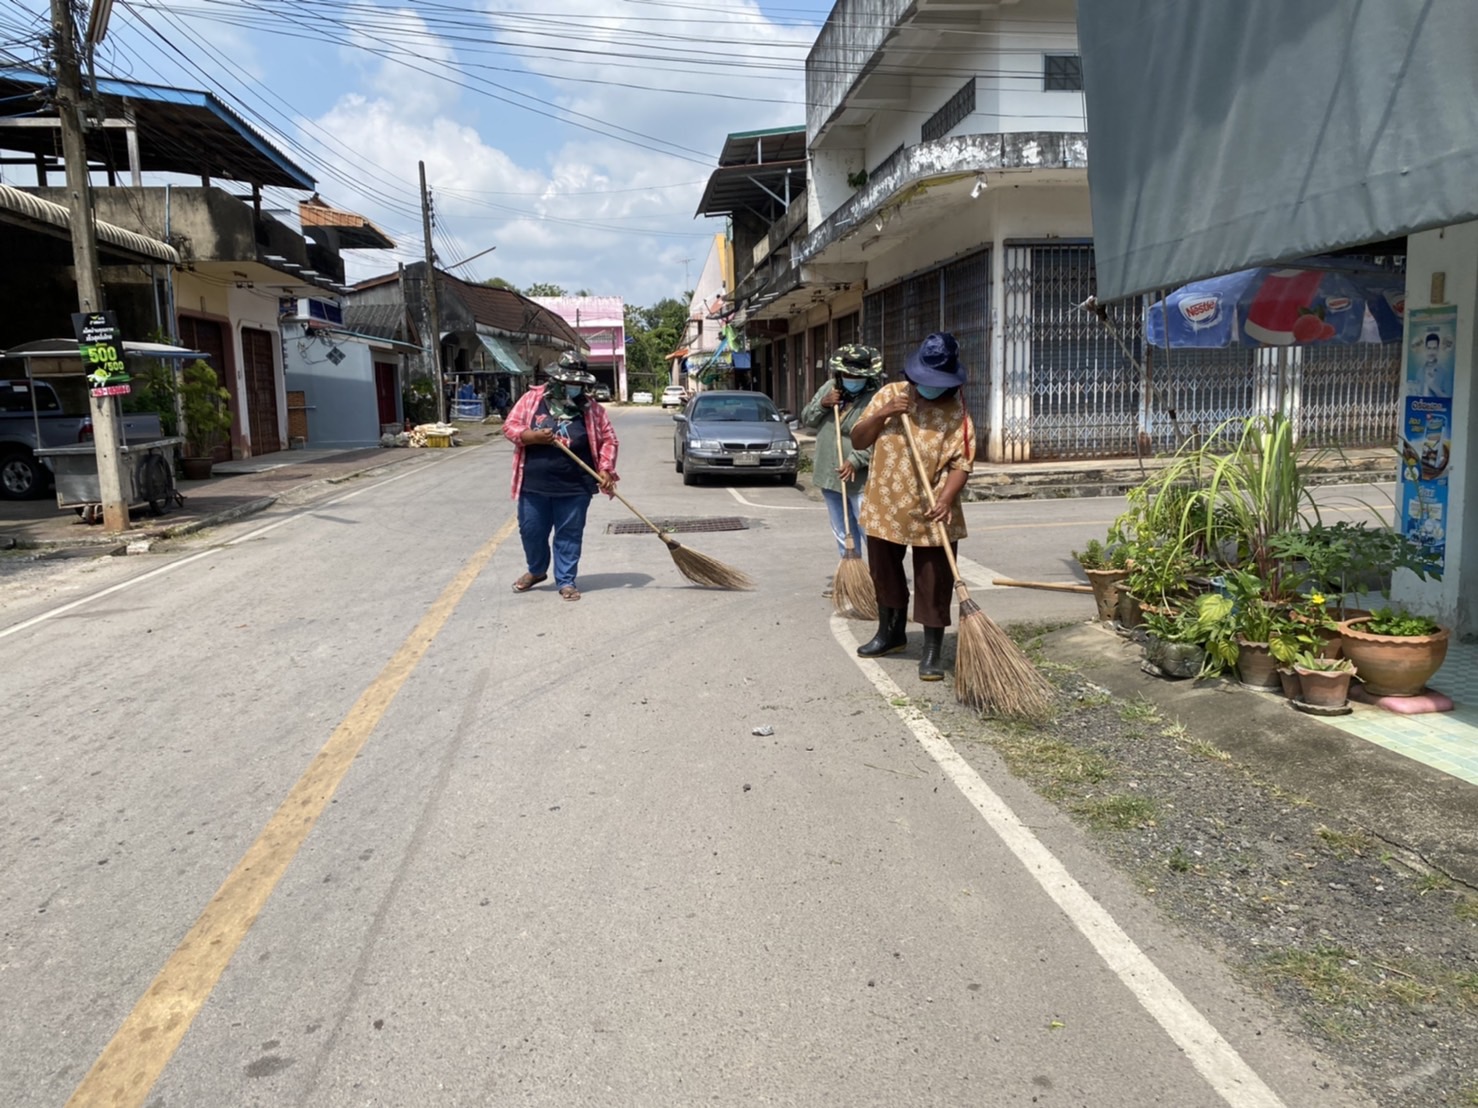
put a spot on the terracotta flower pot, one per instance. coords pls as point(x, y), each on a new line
point(1393, 665)
point(1288, 678)
point(1324, 688)
point(196, 469)
point(1104, 594)
point(1256, 667)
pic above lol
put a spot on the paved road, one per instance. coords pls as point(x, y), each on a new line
point(315, 811)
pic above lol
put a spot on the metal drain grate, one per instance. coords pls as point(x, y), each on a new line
point(679, 526)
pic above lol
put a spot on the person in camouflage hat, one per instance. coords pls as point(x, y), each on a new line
point(856, 375)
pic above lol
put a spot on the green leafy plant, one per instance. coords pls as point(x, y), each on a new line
point(1315, 663)
point(418, 400)
point(1189, 623)
point(153, 390)
point(206, 409)
point(1092, 556)
point(1344, 557)
point(1385, 621)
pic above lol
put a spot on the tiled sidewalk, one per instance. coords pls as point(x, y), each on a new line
point(1443, 740)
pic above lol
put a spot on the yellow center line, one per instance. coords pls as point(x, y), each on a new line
point(131, 1063)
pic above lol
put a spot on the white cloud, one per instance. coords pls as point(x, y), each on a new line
point(576, 212)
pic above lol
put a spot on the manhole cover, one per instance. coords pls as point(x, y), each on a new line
point(679, 526)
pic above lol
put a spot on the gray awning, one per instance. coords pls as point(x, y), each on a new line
point(33, 210)
point(503, 355)
point(1226, 136)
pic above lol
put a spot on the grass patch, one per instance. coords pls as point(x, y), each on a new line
point(1466, 909)
point(1207, 750)
point(1116, 811)
point(1337, 976)
point(1432, 883)
point(1139, 709)
point(1058, 768)
point(1344, 844)
point(1179, 861)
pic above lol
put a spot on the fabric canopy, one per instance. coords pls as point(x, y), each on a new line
point(503, 355)
point(1228, 136)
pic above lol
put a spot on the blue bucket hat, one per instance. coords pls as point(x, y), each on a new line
point(936, 363)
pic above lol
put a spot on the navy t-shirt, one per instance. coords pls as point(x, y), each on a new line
point(548, 470)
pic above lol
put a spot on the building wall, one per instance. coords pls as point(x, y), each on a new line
point(343, 411)
point(1453, 252)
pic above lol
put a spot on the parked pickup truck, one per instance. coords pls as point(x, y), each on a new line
point(22, 475)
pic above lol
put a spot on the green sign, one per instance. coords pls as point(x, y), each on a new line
point(102, 352)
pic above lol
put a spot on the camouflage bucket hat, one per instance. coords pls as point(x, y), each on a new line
point(571, 370)
point(856, 361)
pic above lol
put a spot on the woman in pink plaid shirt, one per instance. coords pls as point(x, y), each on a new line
point(553, 493)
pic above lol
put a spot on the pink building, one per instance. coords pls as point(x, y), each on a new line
point(601, 321)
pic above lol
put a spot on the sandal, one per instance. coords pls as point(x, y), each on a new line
point(528, 581)
point(569, 592)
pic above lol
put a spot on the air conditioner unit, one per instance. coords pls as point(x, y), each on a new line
point(322, 311)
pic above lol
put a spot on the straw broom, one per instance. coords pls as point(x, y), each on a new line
point(697, 568)
point(991, 672)
point(852, 592)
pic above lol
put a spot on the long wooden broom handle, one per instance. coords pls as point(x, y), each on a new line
point(846, 513)
point(580, 462)
point(918, 461)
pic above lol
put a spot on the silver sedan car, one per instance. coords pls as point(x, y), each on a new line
point(735, 434)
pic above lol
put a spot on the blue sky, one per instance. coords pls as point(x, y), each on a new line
point(572, 134)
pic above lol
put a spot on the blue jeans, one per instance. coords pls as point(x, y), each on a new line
point(538, 515)
point(834, 501)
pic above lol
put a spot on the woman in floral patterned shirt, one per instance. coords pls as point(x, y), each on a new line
point(895, 510)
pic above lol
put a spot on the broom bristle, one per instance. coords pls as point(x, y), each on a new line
point(703, 570)
point(992, 674)
point(852, 592)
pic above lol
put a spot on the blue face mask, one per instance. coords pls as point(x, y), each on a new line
point(931, 392)
point(573, 391)
point(853, 385)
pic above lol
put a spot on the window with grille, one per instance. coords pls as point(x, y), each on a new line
point(955, 109)
point(1062, 73)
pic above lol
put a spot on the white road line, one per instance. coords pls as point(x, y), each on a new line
point(976, 575)
point(1213, 1057)
point(775, 507)
point(170, 567)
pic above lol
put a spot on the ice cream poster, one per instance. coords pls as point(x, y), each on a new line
point(1426, 449)
point(1431, 337)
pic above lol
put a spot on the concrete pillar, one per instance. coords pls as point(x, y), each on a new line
point(1451, 252)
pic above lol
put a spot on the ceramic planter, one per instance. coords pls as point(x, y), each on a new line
point(1256, 667)
point(1289, 680)
point(1175, 659)
point(1104, 593)
point(1321, 688)
point(1393, 665)
point(1130, 613)
point(196, 469)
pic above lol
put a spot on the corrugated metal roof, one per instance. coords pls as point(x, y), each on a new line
point(35, 211)
point(180, 131)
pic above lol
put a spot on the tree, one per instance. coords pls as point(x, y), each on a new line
point(499, 283)
point(651, 334)
point(543, 288)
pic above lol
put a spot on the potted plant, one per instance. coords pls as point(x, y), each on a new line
point(1396, 652)
point(1256, 620)
point(1104, 567)
point(1343, 559)
point(1175, 642)
point(207, 418)
point(1323, 682)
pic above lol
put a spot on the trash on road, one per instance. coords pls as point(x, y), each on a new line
point(765, 730)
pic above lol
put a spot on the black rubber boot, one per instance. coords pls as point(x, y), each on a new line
point(891, 636)
point(930, 668)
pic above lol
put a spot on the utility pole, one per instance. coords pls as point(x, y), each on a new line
point(431, 307)
point(85, 252)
